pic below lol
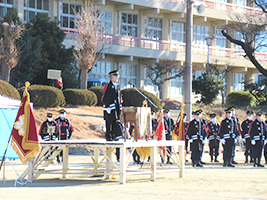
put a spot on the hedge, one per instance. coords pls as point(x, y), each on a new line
point(98, 90)
point(9, 90)
point(80, 97)
point(45, 96)
point(132, 98)
point(241, 99)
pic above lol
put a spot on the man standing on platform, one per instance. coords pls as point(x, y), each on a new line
point(65, 128)
point(213, 137)
point(258, 135)
point(112, 105)
point(169, 127)
point(245, 136)
point(196, 134)
point(227, 132)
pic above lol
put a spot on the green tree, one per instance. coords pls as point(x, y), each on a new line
point(209, 86)
point(54, 54)
point(258, 90)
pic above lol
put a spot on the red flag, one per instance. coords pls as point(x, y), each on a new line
point(24, 133)
point(160, 131)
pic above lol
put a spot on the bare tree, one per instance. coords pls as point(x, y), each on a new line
point(88, 39)
point(253, 33)
point(163, 69)
point(9, 53)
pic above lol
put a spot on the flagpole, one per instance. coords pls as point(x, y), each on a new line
point(5, 152)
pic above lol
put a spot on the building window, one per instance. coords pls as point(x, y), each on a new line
point(239, 81)
point(148, 85)
point(5, 5)
point(128, 73)
point(153, 28)
point(238, 36)
point(32, 7)
point(178, 32)
point(129, 24)
point(220, 39)
point(258, 78)
point(177, 84)
point(199, 35)
point(100, 70)
point(106, 21)
point(241, 2)
point(67, 14)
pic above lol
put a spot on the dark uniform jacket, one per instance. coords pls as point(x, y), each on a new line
point(154, 124)
point(112, 101)
point(213, 135)
point(245, 128)
point(65, 128)
point(258, 133)
point(227, 131)
point(49, 130)
point(169, 127)
point(197, 133)
point(185, 128)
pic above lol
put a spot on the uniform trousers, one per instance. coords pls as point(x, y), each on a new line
point(257, 151)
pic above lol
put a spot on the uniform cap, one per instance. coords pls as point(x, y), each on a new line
point(152, 112)
point(231, 108)
point(62, 111)
point(213, 115)
point(259, 113)
point(50, 114)
point(114, 72)
point(228, 110)
point(249, 112)
point(184, 114)
point(197, 112)
point(166, 110)
point(200, 111)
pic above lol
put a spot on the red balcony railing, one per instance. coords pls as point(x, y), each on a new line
point(218, 5)
point(129, 41)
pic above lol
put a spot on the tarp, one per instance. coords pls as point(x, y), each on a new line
point(8, 112)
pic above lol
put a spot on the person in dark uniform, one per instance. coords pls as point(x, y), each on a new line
point(237, 133)
point(49, 129)
point(111, 98)
point(213, 137)
point(227, 135)
point(245, 136)
point(205, 125)
point(186, 136)
point(154, 122)
point(169, 127)
point(66, 128)
point(196, 134)
point(265, 146)
point(258, 135)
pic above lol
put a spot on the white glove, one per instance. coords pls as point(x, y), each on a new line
point(265, 141)
point(203, 141)
point(235, 140)
point(191, 140)
point(108, 110)
point(208, 140)
point(253, 142)
point(244, 140)
point(223, 141)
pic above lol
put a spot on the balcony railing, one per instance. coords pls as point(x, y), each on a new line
point(129, 41)
point(230, 7)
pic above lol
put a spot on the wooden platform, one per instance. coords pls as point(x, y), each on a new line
point(38, 165)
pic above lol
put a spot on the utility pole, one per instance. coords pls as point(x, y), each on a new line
point(188, 60)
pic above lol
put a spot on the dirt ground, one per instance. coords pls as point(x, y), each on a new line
point(210, 182)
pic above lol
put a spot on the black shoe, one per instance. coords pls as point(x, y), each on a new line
point(251, 161)
point(211, 160)
point(255, 165)
point(260, 165)
point(246, 161)
point(199, 165)
point(216, 160)
point(234, 162)
point(108, 139)
point(230, 165)
point(193, 165)
point(202, 163)
point(187, 161)
point(169, 163)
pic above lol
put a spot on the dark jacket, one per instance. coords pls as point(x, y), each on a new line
point(111, 98)
point(65, 128)
point(227, 131)
point(49, 130)
point(258, 133)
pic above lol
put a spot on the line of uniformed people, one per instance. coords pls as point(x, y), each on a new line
point(253, 133)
